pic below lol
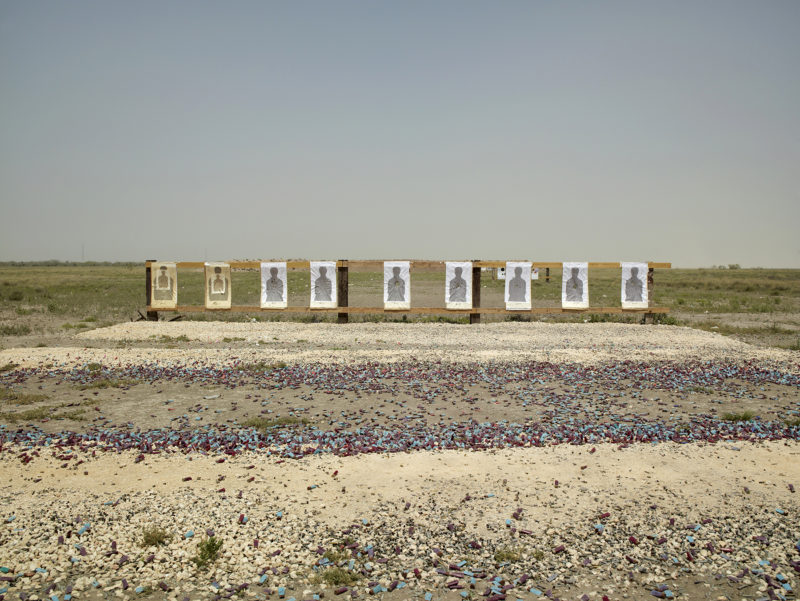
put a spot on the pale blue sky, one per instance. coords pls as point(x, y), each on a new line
point(665, 131)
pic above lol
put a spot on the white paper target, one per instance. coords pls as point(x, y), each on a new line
point(535, 273)
point(164, 285)
point(634, 286)
point(458, 285)
point(518, 286)
point(323, 284)
point(274, 287)
point(396, 285)
point(575, 285)
point(218, 285)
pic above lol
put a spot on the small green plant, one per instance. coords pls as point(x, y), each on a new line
point(507, 555)
point(538, 555)
point(234, 339)
point(337, 577)
point(16, 295)
point(793, 423)
point(207, 551)
point(8, 367)
point(153, 536)
point(262, 424)
point(89, 319)
point(744, 416)
point(94, 367)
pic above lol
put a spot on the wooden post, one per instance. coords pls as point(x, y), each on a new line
point(148, 291)
point(341, 290)
point(546, 275)
point(476, 294)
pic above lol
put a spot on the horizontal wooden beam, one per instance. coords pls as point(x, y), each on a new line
point(414, 264)
point(412, 311)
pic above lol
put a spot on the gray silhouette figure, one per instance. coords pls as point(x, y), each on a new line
point(517, 287)
point(458, 288)
point(218, 286)
point(633, 287)
point(575, 287)
point(274, 286)
point(322, 286)
point(396, 287)
point(163, 287)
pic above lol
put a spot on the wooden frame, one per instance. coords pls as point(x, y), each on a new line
point(343, 310)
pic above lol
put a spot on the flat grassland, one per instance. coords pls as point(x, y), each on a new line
point(39, 304)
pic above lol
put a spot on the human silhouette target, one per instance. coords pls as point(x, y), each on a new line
point(396, 285)
point(575, 285)
point(164, 285)
point(323, 284)
point(634, 285)
point(274, 285)
point(218, 285)
point(518, 285)
point(458, 285)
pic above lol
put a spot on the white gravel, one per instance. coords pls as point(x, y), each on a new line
point(355, 343)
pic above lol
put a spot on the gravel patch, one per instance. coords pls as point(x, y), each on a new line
point(359, 343)
point(571, 520)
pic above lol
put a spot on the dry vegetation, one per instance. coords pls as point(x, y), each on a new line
point(44, 304)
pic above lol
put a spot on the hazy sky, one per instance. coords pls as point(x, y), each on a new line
point(665, 131)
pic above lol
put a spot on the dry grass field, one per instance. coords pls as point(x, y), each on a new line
point(40, 304)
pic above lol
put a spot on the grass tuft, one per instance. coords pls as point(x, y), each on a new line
point(8, 367)
point(507, 555)
point(336, 555)
point(793, 423)
point(337, 577)
point(153, 536)
point(15, 329)
point(207, 551)
point(20, 398)
point(31, 415)
point(744, 416)
point(262, 424)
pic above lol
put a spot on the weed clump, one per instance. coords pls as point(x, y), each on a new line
point(153, 536)
point(335, 556)
point(14, 329)
point(31, 415)
point(207, 551)
point(20, 398)
point(337, 577)
point(744, 416)
point(507, 555)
